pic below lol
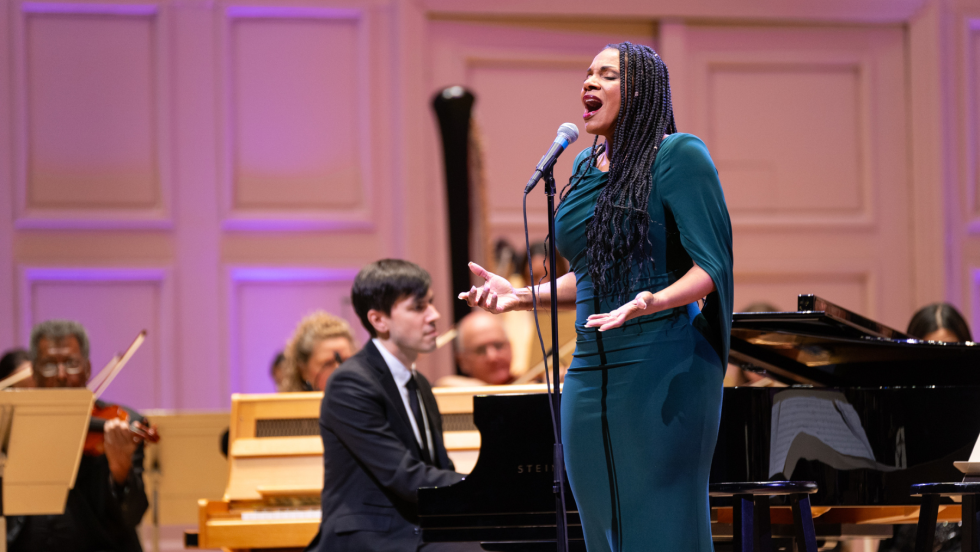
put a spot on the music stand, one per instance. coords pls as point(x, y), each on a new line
point(42, 433)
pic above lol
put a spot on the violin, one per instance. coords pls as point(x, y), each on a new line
point(101, 413)
point(95, 440)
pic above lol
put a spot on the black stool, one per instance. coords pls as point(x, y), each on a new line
point(750, 511)
point(930, 493)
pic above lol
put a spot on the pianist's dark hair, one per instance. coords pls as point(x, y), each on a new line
point(617, 235)
point(939, 316)
point(381, 284)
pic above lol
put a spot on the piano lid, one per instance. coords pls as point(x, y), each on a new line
point(823, 344)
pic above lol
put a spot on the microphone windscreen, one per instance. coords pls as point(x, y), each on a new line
point(569, 131)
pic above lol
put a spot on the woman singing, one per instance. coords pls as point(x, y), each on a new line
point(645, 228)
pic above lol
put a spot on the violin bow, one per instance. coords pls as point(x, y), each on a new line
point(99, 387)
point(97, 380)
point(446, 338)
point(19, 376)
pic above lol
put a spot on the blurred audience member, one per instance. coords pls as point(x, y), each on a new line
point(13, 362)
point(278, 371)
point(319, 345)
point(939, 322)
point(735, 376)
point(483, 352)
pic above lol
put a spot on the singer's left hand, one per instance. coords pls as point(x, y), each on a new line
point(644, 303)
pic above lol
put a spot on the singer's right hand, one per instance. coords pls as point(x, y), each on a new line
point(496, 295)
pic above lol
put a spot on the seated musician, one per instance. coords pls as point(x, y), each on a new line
point(14, 362)
point(939, 322)
point(319, 344)
point(381, 429)
point(107, 503)
point(277, 371)
point(483, 352)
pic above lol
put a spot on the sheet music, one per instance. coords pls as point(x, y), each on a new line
point(817, 425)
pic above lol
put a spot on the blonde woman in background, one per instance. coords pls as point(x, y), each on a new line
point(320, 343)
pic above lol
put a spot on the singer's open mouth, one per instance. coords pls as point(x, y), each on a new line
point(592, 104)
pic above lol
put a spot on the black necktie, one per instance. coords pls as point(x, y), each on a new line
point(413, 401)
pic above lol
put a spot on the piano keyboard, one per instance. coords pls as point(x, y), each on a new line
point(256, 515)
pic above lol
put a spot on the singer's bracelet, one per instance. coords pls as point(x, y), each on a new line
point(530, 299)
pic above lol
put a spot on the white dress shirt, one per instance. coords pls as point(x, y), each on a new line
point(402, 374)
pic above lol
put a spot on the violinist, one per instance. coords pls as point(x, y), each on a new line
point(104, 508)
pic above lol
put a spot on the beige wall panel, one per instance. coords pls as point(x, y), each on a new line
point(972, 74)
point(807, 126)
point(267, 304)
point(113, 305)
point(774, 128)
point(298, 148)
point(801, 122)
point(92, 128)
point(296, 132)
point(508, 145)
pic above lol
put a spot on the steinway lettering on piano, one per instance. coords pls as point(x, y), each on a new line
point(535, 468)
point(869, 413)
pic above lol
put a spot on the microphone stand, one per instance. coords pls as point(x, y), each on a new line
point(559, 466)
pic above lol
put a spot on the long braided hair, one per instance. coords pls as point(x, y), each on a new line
point(617, 236)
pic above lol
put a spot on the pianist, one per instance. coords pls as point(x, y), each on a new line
point(107, 502)
point(381, 429)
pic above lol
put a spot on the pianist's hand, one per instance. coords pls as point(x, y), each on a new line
point(496, 295)
point(644, 303)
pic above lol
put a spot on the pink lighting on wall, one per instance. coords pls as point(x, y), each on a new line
point(264, 306)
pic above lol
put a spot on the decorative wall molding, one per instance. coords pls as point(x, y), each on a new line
point(970, 36)
point(973, 315)
point(239, 276)
point(358, 216)
point(513, 218)
point(160, 277)
point(704, 64)
point(157, 215)
point(835, 11)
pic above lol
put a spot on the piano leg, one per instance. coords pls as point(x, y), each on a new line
point(806, 537)
point(970, 537)
point(925, 532)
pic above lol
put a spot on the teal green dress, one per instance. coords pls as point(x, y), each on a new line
point(641, 403)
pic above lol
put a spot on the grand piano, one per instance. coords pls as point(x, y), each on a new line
point(867, 412)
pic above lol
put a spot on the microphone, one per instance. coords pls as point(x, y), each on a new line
point(567, 133)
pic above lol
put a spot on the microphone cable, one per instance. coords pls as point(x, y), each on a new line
point(555, 423)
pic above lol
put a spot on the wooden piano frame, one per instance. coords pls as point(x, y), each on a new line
point(275, 460)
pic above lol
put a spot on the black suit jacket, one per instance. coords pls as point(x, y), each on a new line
point(372, 464)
